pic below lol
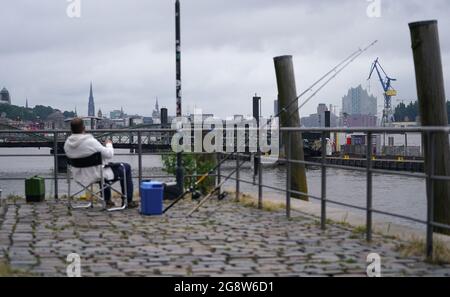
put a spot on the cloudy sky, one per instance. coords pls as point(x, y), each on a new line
point(127, 49)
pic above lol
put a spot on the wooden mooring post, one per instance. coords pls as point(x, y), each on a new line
point(290, 117)
point(433, 112)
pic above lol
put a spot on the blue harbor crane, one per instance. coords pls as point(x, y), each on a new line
point(388, 93)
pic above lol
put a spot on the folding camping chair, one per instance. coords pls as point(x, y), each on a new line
point(94, 161)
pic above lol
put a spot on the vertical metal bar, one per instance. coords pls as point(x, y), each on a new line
point(140, 159)
point(69, 195)
point(55, 161)
point(369, 187)
point(237, 178)
point(430, 203)
point(323, 197)
point(406, 144)
point(125, 202)
point(260, 188)
point(179, 169)
point(102, 188)
point(219, 172)
point(288, 175)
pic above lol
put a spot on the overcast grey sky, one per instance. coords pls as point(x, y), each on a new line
point(127, 49)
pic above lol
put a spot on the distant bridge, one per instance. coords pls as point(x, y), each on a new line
point(149, 139)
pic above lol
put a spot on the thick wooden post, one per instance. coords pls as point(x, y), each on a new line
point(433, 111)
point(290, 117)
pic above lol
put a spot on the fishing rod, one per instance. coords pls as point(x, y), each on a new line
point(334, 75)
point(346, 61)
point(209, 196)
point(199, 181)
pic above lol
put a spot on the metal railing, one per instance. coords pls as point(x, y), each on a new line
point(429, 175)
point(290, 159)
point(135, 137)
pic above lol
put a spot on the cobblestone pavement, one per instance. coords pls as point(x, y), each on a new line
point(222, 239)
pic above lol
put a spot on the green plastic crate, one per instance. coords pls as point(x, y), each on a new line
point(35, 189)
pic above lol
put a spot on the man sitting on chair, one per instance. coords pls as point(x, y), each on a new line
point(81, 145)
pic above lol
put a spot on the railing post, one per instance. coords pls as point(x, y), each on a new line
point(55, 161)
point(323, 197)
point(369, 187)
point(219, 172)
point(288, 174)
point(237, 178)
point(260, 188)
point(430, 200)
point(406, 145)
point(140, 159)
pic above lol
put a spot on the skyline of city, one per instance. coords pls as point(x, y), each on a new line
point(135, 63)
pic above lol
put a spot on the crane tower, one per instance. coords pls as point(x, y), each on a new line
point(388, 92)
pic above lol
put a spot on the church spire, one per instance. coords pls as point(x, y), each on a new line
point(91, 106)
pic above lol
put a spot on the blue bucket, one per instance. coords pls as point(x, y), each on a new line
point(152, 198)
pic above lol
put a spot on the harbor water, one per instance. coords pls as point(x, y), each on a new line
point(396, 194)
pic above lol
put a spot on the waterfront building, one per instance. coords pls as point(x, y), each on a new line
point(317, 119)
point(359, 109)
point(358, 101)
point(91, 105)
point(116, 114)
point(5, 98)
point(156, 113)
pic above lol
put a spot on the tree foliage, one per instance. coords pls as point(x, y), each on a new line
point(39, 112)
point(409, 113)
point(406, 113)
point(193, 165)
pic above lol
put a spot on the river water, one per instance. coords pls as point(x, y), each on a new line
point(397, 194)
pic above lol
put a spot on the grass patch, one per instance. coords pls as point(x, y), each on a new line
point(7, 271)
point(14, 198)
point(248, 201)
point(417, 248)
point(360, 230)
point(350, 261)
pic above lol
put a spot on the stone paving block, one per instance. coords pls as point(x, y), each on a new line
point(223, 239)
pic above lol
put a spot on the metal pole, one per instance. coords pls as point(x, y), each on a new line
point(178, 56)
point(260, 188)
point(433, 111)
point(406, 145)
point(430, 203)
point(287, 90)
point(323, 204)
point(140, 160)
point(179, 170)
point(256, 103)
point(369, 187)
point(55, 161)
point(219, 173)
point(130, 135)
point(288, 175)
point(237, 177)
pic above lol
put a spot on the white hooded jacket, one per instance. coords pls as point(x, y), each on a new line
point(85, 145)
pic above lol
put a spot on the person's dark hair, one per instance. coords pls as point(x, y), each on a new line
point(77, 126)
